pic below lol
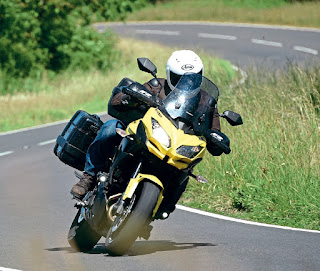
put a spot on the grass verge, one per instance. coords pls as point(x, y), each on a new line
point(59, 97)
point(272, 174)
point(235, 11)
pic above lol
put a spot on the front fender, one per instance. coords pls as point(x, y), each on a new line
point(134, 182)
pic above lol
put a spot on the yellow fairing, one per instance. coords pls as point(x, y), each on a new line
point(132, 186)
point(177, 137)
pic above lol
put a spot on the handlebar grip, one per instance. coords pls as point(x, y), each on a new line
point(142, 96)
point(224, 147)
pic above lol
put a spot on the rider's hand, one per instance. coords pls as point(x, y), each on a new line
point(128, 101)
point(217, 142)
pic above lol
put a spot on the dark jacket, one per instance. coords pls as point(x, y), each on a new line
point(127, 114)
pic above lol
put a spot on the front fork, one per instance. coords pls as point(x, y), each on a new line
point(132, 187)
point(134, 182)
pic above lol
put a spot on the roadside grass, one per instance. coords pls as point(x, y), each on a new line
point(233, 11)
point(273, 172)
point(59, 97)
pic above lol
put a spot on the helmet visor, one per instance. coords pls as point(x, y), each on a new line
point(174, 78)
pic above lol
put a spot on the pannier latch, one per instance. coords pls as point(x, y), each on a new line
point(94, 129)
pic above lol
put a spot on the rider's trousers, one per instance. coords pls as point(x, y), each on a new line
point(101, 149)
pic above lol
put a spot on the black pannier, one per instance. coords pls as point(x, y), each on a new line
point(72, 145)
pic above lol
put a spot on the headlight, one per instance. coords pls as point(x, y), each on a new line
point(160, 134)
point(189, 151)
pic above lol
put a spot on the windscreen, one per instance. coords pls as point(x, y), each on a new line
point(183, 101)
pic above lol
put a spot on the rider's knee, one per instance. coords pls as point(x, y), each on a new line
point(109, 128)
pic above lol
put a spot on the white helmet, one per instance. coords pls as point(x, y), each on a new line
point(181, 62)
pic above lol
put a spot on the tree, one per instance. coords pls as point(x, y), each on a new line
point(56, 34)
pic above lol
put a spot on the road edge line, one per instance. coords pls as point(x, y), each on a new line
point(245, 25)
point(237, 220)
point(44, 125)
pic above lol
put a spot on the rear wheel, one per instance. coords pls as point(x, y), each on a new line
point(81, 236)
point(136, 215)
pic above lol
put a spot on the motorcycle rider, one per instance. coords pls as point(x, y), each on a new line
point(126, 109)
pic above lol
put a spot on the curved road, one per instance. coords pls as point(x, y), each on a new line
point(242, 44)
point(36, 210)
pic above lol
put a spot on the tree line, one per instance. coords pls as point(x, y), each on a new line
point(39, 35)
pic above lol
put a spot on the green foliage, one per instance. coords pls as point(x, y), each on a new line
point(272, 174)
point(19, 32)
point(114, 10)
point(109, 10)
point(90, 49)
point(54, 35)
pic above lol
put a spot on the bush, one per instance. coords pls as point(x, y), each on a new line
point(90, 49)
point(113, 9)
point(19, 50)
point(54, 35)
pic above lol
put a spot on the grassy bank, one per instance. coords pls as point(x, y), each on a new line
point(272, 174)
point(60, 96)
point(246, 11)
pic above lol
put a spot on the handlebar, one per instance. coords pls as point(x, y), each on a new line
point(142, 96)
point(225, 148)
point(214, 138)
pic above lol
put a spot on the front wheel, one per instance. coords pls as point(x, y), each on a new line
point(135, 216)
point(81, 236)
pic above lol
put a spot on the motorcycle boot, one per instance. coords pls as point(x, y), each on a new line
point(86, 183)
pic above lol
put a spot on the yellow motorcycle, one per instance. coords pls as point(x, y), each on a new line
point(154, 159)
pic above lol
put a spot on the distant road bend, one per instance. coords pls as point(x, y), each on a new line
point(242, 44)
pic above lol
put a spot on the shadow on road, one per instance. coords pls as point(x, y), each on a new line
point(148, 247)
point(67, 249)
point(141, 247)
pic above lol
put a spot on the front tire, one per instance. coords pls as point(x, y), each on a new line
point(81, 236)
point(126, 227)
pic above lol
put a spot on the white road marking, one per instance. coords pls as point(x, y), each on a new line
point(191, 210)
point(33, 127)
point(216, 36)
point(8, 269)
point(46, 142)
point(267, 43)
point(157, 32)
point(305, 50)
point(43, 125)
point(5, 153)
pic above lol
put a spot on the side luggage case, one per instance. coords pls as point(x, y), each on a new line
point(72, 145)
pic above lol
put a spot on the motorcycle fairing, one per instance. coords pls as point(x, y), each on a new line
point(134, 182)
point(177, 138)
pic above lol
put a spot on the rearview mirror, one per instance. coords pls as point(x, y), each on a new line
point(146, 65)
point(233, 118)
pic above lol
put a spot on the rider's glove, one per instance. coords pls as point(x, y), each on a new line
point(128, 101)
point(217, 142)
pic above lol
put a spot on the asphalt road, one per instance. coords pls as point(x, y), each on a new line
point(242, 44)
point(36, 208)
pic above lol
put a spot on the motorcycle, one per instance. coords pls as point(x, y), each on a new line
point(155, 158)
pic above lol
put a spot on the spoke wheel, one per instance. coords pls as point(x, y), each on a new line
point(135, 216)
